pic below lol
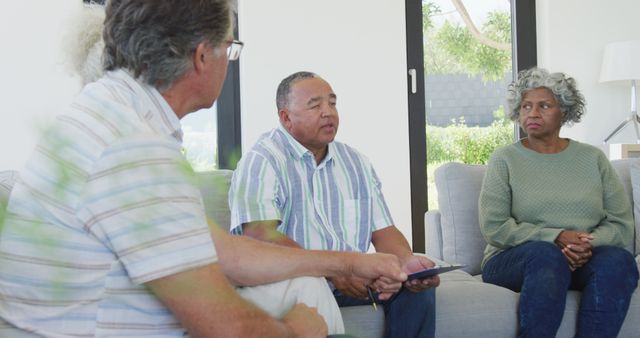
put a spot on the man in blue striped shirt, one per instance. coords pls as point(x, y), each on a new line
point(298, 187)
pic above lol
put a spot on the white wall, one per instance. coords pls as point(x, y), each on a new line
point(35, 85)
point(571, 38)
point(358, 46)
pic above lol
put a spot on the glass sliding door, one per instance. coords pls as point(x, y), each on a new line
point(468, 66)
point(469, 51)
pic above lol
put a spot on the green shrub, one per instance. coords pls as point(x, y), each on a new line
point(460, 143)
point(471, 145)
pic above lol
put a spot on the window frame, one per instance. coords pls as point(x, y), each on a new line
point(229, 114)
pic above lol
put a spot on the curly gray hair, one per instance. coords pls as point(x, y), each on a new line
point(155, 39)
point(572, 103)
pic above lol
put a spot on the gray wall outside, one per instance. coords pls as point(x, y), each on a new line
point(451, 96)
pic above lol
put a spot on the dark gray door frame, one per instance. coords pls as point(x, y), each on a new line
point(229, 123)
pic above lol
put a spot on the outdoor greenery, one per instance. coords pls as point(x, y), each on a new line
point(459, 143)
point(477, 58)
point(452, 48)
point(471, 145)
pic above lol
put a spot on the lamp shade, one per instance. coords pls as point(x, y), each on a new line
point(621, 61)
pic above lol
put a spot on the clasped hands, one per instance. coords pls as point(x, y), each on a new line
point(388, 282)
point(576, 247)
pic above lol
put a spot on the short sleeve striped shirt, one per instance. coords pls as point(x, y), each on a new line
point(104, 204)
point(334, 205)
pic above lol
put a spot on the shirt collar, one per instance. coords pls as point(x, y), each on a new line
point(297, 150)
point(151, 103)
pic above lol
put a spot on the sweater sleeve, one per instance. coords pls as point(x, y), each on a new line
point(499, 228)
point(616, 227)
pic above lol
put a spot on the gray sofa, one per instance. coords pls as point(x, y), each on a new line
point(467, 307)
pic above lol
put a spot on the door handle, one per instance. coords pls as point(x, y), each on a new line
point(414, 80)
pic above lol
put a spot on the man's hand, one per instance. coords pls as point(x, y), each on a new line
point(386, 287)
point(305, 322)
point(416, 263)
point(382, 272)
point(576, 247)
point(377, 265)
point(354, 287)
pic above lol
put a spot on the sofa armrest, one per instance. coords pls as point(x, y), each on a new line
point(433, 234)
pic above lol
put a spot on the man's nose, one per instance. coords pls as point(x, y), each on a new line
point(327, 110)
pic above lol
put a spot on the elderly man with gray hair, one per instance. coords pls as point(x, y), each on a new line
point(105, 233)
point(298, 187)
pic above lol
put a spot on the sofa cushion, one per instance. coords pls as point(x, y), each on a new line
point(458, 187)
point(363, 321)
point(214, 187)
point(632, 174)
point(467, 307)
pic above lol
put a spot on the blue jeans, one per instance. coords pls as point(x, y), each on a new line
point(406, 314)
point(539, 271)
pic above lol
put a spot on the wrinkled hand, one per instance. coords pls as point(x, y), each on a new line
point(416, 263)
point(576, 247)
point(354, 287)
point(386, 287)
point(377, 266)
point(305, 322)
point(382, 272)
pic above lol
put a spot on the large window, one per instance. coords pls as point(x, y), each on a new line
point(468, 66)
point(212, 136)
point(200, 141)
point(461, 56)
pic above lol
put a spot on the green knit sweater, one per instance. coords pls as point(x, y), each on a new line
point(529, 196)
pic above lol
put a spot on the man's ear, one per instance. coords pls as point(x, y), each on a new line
point(283, 115)
point(199, 57)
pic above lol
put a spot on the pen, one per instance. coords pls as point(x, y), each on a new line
point(373, 300)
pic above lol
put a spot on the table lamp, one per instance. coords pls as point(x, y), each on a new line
point(621, 63)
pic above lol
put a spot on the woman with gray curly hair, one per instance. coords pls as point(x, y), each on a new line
point(556, 217)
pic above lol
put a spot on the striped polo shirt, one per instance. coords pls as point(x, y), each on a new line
point(333, 205)
point(104, 204)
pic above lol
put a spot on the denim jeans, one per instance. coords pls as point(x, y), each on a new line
point(539, 271)
point(407, 314)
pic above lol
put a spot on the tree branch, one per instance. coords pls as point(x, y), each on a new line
point(474, 30)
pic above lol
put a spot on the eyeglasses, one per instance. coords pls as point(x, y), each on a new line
point(234, 49)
